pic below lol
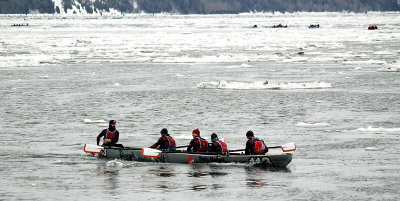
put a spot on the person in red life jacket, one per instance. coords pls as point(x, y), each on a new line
point(165, 142)
point(197, 144)
point(217, 145)
point(111, 135)
point(254, 145)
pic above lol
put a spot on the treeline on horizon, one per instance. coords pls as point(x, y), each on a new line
point(199, 6)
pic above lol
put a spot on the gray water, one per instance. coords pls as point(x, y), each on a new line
point(144, 72)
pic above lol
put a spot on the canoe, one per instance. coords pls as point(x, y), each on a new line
point(276, 159)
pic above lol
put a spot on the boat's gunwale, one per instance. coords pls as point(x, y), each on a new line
point(181, 152)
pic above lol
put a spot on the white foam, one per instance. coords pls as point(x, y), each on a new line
point(114, 165)
point(243, 65)
point(371, 129)
point(89, 121)
point(260, 85)
point(312, 125)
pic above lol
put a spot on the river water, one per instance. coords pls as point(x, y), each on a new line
point(334, 91)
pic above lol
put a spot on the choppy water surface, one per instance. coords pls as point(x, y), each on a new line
point(333, 90)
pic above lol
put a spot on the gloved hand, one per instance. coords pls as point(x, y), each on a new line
point(106, 141)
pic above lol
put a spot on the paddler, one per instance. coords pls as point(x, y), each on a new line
point(217, 145)
point(111, 135)
point(197, 144)
point(254, 145)
point(165, 142)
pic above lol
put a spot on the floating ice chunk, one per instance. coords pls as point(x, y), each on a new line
point(371, 149)
point(314, 125)
point(245, 66)
point(389, 68)
point(378, 130)
point(89, 121)
point(185, 137)
point(180, 75)
point(262, 85)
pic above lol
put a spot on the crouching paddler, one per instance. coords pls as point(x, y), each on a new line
point(165, 142)
point(217, 145)
point(254, 145)
point(197, 144)
point(110, 135)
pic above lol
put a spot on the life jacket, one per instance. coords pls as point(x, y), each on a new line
point(223, 146)
point(203, 144)
point(259, 146)
point(110, 135)
point(171, 143)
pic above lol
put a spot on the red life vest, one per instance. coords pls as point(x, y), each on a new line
point(259, 146)
point(223, 146)
point(110, 135)
point(203, 144)
point(171, 142)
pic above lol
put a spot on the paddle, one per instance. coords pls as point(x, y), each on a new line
point(146, 152)
point(92, 148)
point(291, 146)
point(152, 153)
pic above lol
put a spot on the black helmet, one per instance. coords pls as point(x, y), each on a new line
point(164, 131)
point(249, 133)
point(214, 137)
point(110, 125)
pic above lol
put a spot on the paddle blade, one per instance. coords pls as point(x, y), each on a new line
point(291, 146)
point(93, 149)
point(149, 152)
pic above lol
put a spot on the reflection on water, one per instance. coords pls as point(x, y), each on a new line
point(197, 174)
point(199, 187)
point(110, 175)
point(257, 175)
point(165, 174)
point(269, 168)
point(204, 178)
point(217, 174)
point(255, 183)
point(163, 171)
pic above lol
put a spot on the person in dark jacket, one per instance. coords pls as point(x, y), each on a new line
point(111, 135)
point(165, 142)
point(254, 145)
point(217, 145)
point(197, 144)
